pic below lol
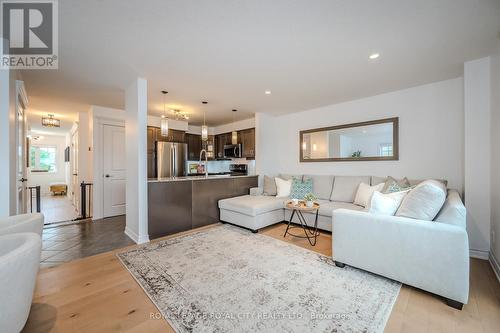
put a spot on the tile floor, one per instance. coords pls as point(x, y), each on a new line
point(74, 241)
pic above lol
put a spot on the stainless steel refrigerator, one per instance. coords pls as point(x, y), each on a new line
point(171, 159)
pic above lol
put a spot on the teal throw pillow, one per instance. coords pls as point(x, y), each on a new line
point(301, 188)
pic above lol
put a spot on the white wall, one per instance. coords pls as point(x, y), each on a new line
point(8, 176)
point(237, 125)
point(136, 106)
point(43, 179)
point(431, 134)
point(495, 159)
point(477, 102)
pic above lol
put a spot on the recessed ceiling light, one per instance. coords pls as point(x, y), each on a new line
point(267, 92)
point(374, 56)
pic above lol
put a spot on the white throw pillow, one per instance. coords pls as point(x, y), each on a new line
point(423, 202)
point(386, 203)
point(365, 192)
point(283, 187)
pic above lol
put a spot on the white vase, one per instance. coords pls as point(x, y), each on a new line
point(309, 203)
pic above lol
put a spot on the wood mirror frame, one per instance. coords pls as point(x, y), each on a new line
point(395, 142)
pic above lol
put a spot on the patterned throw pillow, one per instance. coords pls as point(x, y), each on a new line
point(392, 185)
point(301, 188)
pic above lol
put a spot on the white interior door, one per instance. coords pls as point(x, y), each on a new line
point(75, 188)
point(114, 168)
point(21, 197)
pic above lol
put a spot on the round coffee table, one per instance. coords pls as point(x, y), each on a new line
point(297, 210)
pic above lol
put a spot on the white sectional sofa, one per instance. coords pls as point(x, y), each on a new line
point(430, 255)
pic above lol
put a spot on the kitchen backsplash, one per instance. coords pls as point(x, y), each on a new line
point(223, 166)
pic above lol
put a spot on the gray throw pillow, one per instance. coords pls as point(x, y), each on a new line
point(423, 202)
point(269, 186)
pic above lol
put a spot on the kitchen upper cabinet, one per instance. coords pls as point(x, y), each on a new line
point(221, 140)
point(247, 140)
point(151, 138)
point(194, 146)
point(173, 135)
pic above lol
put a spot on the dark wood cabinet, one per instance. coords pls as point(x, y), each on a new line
point(176, 206)
point(221, 140)
point(194, 146)
point(245, 137)
point(173, 135)
point(247, 140)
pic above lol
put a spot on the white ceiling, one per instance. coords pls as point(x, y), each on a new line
point(308, 53)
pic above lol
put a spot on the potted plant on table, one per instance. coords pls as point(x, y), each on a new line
point(309, 198)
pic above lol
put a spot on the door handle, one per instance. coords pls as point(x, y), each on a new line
point(75, 174)
point(22, 180)
point(107, 176)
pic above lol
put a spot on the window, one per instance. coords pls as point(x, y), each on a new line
point(385, 149)
point(43, 158)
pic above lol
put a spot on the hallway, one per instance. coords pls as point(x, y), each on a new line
point(57, 208)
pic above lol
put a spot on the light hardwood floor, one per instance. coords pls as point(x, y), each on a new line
point(97, 294)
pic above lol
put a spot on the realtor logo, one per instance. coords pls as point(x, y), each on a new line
point(29, 32)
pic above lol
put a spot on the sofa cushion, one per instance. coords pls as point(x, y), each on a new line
point(345, 187)
point(288, 177)
point(378, 180)
point(415, 182)
point(423, 202)
point(365, 192)
point(252, 205)
point(453, 211)
point(301, 188)
point(322, 185)
point(386, 203)
point(269, 186)
point(327, 208)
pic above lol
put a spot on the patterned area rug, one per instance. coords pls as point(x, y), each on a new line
point(226, 279)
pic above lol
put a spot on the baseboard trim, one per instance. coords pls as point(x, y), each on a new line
point(495, 265)
point(136, 238)
point(132, 235)
point(479, 254)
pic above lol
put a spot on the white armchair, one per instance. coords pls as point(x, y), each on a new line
point(19, 263)
point(22, 223)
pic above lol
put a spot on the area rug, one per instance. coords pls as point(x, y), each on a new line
point(226, 279)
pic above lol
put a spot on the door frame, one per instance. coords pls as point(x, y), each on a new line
point(21, 104)
point(98, 164)
point(74, 160)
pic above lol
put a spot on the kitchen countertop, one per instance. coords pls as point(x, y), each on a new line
point(192, 178)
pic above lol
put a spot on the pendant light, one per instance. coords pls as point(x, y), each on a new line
point(204, 128)
point(234, 134)
point(164, 117)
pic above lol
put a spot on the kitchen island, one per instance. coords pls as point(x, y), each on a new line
point(183, 203)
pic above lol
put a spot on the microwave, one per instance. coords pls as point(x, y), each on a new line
point(232, 151)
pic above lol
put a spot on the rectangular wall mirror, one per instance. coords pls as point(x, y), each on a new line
point(375, 140)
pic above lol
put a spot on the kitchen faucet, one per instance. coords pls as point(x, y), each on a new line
point(206, 161)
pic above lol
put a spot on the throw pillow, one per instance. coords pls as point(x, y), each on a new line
point(283, 187)
point(394, 185)
point(365, 192)
point(424, 201)
point(301, 188)
point(269, 186)
point(386, 203)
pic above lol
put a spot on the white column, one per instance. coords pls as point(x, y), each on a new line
point(477, 108)
point(136, 113)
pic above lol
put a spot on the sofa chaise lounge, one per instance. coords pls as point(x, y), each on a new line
point(430, 255)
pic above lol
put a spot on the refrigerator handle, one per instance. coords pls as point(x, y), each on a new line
point(174, 161)
point(171, 161)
